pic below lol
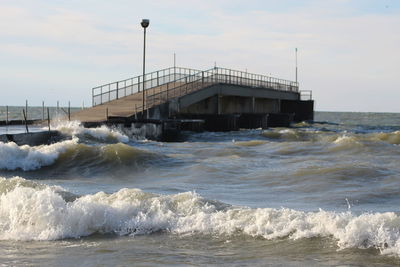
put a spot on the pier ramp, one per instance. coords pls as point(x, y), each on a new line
point(224, 99)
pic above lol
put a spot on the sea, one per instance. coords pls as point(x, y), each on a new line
point(321, 193)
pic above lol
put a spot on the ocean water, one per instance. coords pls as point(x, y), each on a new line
point(317, 194)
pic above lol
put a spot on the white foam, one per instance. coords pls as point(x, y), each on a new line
point(31, 158)
point(103, 133)
point(40, 213)
point(344, 139)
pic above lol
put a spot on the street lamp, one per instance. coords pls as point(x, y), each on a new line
point(145, 23)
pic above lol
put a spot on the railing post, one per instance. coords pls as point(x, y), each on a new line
point(26, 120)
point(135, 112)
point(226, 77)
point(48, 118)
point(138, 85)
point(6, 115)
point(167, 90)
point(158, 79)
point(117, 91)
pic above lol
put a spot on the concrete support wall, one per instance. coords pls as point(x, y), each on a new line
point(265, 105)
point(233, 105)
point(238, 91)
point(302, 110)
point(206, 106)
point(236, 104)
point(217, 103)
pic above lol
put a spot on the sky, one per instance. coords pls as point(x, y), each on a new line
point(57, 50)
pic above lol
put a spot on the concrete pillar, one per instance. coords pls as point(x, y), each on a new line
point(219, 104)
point(253, 104)
point(279, 106)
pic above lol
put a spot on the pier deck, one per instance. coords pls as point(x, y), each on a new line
point(177, 92)
point(124, 107)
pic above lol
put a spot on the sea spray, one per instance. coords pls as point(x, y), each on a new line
point(29, 212)
point(102, 133)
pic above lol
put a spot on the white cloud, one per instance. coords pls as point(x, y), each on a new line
point(341, 55)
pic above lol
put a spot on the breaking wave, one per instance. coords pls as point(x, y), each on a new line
point(251, 143)
point(392, 137)
point(30, 158)
point(102, 133)
point(94, 149)
point(31, 211)
point(300, 135)
point(70, 155)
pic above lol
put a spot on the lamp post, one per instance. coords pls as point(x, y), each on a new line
point(145, 23)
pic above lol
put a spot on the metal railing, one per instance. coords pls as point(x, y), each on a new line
point(305, 95)
point(213, 76)
point(111, 91)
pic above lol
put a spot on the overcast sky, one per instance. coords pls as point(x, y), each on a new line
point(349, 50)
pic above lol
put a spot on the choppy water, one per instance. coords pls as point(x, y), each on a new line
point(321, 194)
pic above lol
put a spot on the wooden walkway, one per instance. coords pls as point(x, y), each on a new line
point(123, 107)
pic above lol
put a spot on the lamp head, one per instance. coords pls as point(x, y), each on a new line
point(145, 23)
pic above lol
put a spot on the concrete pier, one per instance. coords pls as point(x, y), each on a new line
point(217, 99)
point(182, 99)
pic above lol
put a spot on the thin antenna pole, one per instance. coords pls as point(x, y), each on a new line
point(48, 118)
point(174, 66)
point(42, 110)
point(296, 63)
point(26, 120)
